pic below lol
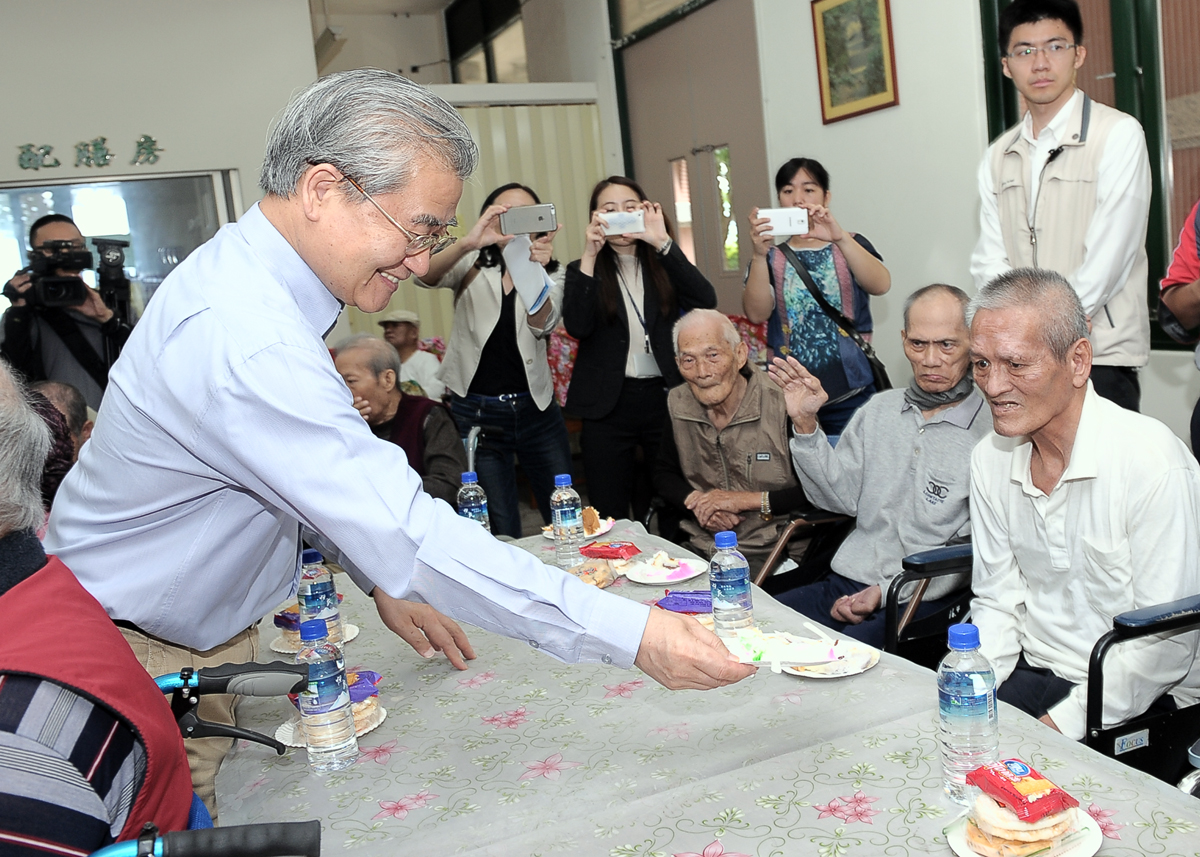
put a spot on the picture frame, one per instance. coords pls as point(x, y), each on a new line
point(856, 58)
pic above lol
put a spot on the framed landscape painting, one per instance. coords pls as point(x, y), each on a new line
point(856, 65)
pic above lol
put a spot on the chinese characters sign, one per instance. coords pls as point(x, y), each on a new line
point(89, 153)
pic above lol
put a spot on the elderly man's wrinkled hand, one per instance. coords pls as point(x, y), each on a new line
point(802, 392)
point(720, 521)
point(424, 628)
point(681, 654)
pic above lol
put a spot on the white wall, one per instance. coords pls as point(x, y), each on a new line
point(567, 41)
point(395, 42)
point(203, 77)
point(905, 176)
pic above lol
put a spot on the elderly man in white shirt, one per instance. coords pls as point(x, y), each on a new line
point(1080, 510)
point(226, 428)
point(1068, 189)
point(402, 328)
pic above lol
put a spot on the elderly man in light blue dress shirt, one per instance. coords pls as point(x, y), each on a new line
point(226, 428)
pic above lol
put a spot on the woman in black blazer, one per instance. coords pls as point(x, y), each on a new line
point(626, 359)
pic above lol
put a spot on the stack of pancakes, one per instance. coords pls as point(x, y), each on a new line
point(994, 830)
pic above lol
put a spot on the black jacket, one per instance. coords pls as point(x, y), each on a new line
point(599, 369)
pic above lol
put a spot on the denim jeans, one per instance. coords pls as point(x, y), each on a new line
point(513, 425)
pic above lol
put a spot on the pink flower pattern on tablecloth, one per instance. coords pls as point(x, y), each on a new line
point(1103, 817)
point(713, 849)
point(678, 730)
point(400, 808)
point(856, 808)
point(793, 697)
point(508, 719)
point(624, 690)
point(550, 767)
point(477, 680)
point(380, 754)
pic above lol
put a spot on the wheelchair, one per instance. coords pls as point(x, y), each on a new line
point(1165, 745)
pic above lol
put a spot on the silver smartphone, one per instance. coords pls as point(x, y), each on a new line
point(624, 222)
point(528, 219)
point(786, 221)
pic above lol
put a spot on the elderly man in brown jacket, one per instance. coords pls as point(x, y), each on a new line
point(724, 463)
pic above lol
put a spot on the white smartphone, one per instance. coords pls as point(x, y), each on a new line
point(786, 221)
point(624, 222)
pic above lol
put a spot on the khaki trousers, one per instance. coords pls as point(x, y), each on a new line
point(162, 658)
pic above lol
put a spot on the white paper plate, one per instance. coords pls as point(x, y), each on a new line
point(644, 572)
point(855, 658)
point(1084, 842)
point(605, 525)
point(284, 647)
point(289, 733)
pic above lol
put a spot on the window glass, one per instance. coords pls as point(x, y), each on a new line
point(636, 14)
point(472, 68)
point(508, 54)
point(682, 188)
point(163, 219)
point(728, 234)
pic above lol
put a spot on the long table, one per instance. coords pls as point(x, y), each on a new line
point(523, 755)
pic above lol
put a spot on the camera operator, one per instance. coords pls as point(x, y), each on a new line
point(56, 343)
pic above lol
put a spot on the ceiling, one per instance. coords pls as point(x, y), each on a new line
point(379, 7)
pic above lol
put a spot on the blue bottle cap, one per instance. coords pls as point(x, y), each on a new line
point(562, 480)
point(311, 557)
point(470, 477)
point(726, 539)
point(963, 637)
point(313, 629)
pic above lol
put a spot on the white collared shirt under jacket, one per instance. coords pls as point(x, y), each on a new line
point(225, 427)
point(1120, 531)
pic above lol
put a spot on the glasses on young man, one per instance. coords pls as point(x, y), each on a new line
point(417, 244)
point(1053, 50)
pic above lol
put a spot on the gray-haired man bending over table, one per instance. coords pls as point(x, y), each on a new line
point(226, 426)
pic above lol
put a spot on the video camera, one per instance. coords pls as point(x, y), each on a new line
point(48, 289)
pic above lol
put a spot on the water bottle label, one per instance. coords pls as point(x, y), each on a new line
point(567, 517)
point(320, 602)
point(326, 689)
point(981, 706)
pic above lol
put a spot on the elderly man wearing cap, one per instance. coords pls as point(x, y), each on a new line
point(402, 328)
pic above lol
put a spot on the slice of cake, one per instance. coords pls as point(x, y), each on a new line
point(752, 646)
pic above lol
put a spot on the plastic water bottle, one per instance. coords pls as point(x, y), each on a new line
point(325, 704)
point(566, 511)
point(969, 732)
point(317, 595)
point(729, 578)
point(472, 502)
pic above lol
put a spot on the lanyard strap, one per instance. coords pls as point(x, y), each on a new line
point(633, 303)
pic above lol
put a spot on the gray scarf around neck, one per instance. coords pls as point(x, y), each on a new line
point(926, 401)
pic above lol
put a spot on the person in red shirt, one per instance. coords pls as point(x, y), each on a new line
point(1179, 299)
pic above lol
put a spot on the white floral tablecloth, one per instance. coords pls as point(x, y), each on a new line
point(522, 755)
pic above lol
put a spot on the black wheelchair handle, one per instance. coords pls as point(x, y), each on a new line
point(282, 839)
point(253, 679)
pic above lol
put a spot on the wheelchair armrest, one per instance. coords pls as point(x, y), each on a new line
point(936, 562)
point(1143, 622)
point(1159, 618)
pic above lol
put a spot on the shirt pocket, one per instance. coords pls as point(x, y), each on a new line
point(942, 499)
point(1108, 584)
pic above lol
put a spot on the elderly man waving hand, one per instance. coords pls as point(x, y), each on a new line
point(902, 466)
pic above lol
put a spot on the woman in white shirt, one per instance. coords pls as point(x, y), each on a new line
point(495, 364)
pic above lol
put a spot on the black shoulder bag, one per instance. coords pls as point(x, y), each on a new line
point(878, 370)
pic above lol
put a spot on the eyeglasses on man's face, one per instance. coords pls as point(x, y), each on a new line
point(1054, 50)
point(417, 244)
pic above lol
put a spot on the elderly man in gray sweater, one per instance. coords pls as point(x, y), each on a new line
point(902, 467)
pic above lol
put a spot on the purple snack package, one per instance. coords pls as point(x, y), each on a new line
point(694, 601)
